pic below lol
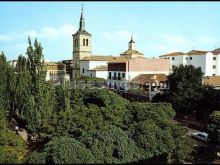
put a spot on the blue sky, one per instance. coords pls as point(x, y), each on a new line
point(158, 27)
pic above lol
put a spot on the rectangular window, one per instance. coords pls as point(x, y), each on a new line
point(213, 74)
point(123, 75)
point(191, 58)
point(114, 74)
point(186, 58)
point(110, 75)
point(119, 76)
point(214, 66)
point(173, 58)
point(214, 58)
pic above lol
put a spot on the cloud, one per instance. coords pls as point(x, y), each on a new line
point(46, 32)
point(119, 35)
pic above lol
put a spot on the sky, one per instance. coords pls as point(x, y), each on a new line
point(157, 27)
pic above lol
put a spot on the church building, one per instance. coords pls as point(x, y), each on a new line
point(86, 64)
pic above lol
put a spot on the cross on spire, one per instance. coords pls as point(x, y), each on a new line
point(82, 22)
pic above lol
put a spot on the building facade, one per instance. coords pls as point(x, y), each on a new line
point(209, 61)
point(69, 67)
point(56, 72)
point(121, 72)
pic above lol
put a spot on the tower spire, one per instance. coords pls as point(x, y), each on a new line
point(131, 44)
point(132, 41)
point(82, 22)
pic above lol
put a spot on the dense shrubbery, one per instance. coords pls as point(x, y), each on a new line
point(188, 95)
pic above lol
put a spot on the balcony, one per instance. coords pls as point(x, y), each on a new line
point(116, 78)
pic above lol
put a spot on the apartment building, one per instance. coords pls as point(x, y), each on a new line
point(209, 61)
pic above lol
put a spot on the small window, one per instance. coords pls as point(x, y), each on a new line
point(84, 42)
point(123, 75)
point(114, 74)
point(168, 57)
point(109, 75)
point(173, 66)
point(87, 42)
point(83, 70)
point(119, 75)
point(214, 66)
point(173, 58)
point(91, 75)
point(186, 58)
point(214, 58)
point(213, 74)
point(191, 58)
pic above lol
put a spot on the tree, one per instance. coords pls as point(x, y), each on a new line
point(12, 146)
point(208, 102)
point(213, 127)
point(66, 150)
point(156, 135)
point(111, 145)
point(36, 158)
point(5, 70)
point(185, 85)
point(37, 105)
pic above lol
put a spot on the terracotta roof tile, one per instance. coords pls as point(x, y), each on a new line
point(212, 80)
point(143, 78)
point(131, 51)
point(101, 58)
point(173, 54)
point(197, 52)
point(216, 51)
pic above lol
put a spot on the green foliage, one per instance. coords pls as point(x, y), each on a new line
point(155, 133)
point(111, 145)
point(95, 109)
point(12, 146)
point(208, 102)
point(213, 127)
point(188, 95)
point(5, 72)
point(65, 150)
point(36, 158)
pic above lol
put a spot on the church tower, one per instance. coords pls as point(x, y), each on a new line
point(131, 44)
point(82, 46)
point(131, 52)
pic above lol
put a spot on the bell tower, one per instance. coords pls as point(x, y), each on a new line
point(82, 46)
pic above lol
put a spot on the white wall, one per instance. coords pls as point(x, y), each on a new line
point(218, 64)
point(209, 64)
point(88, 65)
point(132, 75)
point(204, 61)
point(102, 74)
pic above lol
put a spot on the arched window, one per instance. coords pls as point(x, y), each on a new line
point(84, 41)
point(87, 42)
point(83, 70)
